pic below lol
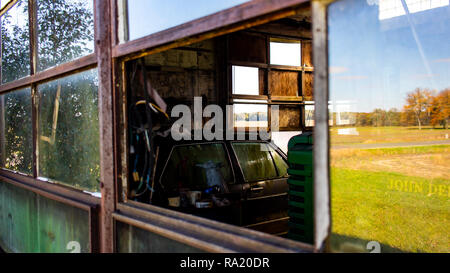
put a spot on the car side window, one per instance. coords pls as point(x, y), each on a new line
point(256, 161)
point(280, 163)
point(196, 167)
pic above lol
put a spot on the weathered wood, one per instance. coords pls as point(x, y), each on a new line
point(283, 83)
point(322, 217)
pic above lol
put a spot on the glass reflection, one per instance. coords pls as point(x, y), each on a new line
point(16, 149)
point(65, 31)
point(146, 17)
point(389, 89)
point(15, 58)
point(69, 131)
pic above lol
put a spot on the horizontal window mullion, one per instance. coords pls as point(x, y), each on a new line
point(83, 63)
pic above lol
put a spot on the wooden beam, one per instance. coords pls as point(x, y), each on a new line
point(322, 216)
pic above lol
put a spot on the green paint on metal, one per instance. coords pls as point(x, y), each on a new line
point(301, 180)
point(31, 223)
point(131, 239)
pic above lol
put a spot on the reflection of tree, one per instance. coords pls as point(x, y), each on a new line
point(18, 145)
point(15, 44)
point(74, 155)
point(418, 104)
point(65, 32)
point(440, 109)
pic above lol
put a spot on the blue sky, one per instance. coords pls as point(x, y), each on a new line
point(374, 63)
point(150, 16)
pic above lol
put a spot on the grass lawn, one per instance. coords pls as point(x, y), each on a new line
point(368, 135)
point(403, 207)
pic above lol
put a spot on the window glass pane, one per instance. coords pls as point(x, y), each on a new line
point(309, 115)
point(255, 160)
point(280, 163)
point(194, 167)
point(146, 17)
point(17, 140)
point(15, 43)
point(389, 85)
point(245, 80)
point(69, 130)
point(285, 52)
point(250, 115)
point(65, 31)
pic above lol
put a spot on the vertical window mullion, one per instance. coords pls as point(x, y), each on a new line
point(32, 26)
point(322, 216)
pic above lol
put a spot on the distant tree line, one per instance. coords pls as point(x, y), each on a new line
point(423, 107)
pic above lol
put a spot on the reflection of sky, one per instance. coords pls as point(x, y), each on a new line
point(150, 16)
point(376, 62)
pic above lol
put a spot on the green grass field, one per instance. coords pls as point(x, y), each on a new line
point(368, 135)
point(399, 197)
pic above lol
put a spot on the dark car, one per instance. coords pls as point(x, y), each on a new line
point(238, 182)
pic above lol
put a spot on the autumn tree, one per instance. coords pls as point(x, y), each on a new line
point(440, 109)
point(418, 104)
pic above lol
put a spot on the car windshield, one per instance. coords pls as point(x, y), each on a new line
point(197, 167)
point(259, 161)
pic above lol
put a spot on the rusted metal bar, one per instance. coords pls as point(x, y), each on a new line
point(209, 230)
point(83, 63)
point(47, 194)
point(39, 186)
point(102, 14)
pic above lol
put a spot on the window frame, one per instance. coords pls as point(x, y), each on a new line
point(54, 191)
point(146, 216)
point(109, 57)
point(294, 101)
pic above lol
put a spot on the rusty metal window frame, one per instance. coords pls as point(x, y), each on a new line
point(199, 232)
point(57, 192)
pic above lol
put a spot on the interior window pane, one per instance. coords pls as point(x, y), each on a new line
point(193, 168)
point(15, 59)
point(17, 138)
point(69, 131)
point(245, 80)
point(255, 160)
point(146, 17)
point(65, 31)
point(250, 115)
point(285, 52)
point(389, 84)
